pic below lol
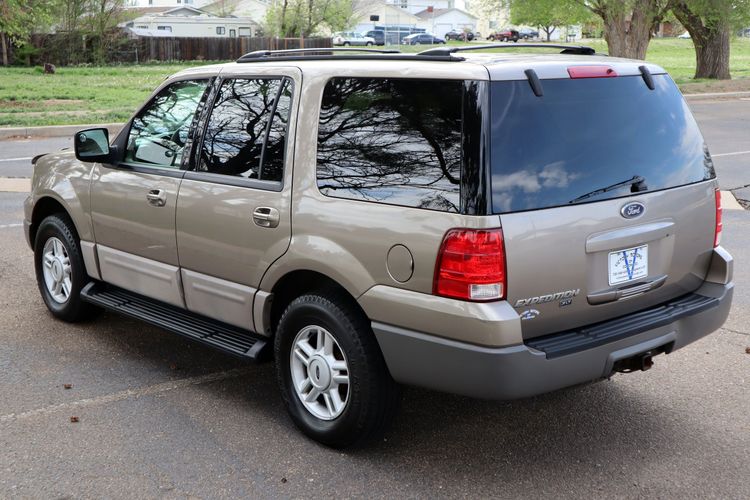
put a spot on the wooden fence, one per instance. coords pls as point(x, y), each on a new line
point(67, 48)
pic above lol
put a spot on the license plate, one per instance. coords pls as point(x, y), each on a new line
point(628, 265)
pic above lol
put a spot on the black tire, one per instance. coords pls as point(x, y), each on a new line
point(345, 44)
point(373, 395)
point(368, 44)
point(73, 309)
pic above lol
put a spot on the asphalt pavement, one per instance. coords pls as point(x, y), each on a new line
point(161, 417)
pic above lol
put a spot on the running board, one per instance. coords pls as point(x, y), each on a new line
point(221, 336)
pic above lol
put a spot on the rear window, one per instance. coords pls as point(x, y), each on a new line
point(589, 140)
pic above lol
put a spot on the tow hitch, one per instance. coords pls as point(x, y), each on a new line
point(642, 362)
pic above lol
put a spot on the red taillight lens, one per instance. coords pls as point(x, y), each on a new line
point(471, 265)
point(719, 225)
point(591, 72)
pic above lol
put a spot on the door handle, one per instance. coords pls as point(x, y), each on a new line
point(157, 197)
point(266, 217)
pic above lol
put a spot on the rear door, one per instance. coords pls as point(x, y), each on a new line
point(605, 195)
point(233, 212)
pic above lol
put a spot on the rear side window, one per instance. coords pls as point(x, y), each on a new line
point(246, 132)
point(589, 140)
point(392, 141)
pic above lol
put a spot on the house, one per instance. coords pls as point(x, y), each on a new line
point(415, 6)
point(441, 21)
point(254, 9)
point(134, 4)
point(190, 22)
point(386, 17)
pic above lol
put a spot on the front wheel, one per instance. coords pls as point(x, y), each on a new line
point(369, 44)
point(60, 271)
point(331, 373)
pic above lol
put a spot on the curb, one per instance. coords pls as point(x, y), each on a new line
point(55, 130)
point(708, 95)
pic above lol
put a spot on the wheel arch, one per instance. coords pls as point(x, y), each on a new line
point(297, 283)
point(44, 207)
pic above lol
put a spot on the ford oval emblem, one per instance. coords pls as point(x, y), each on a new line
point(633, 210)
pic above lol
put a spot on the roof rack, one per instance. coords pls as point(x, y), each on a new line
point(274, 54)
point(566, 49)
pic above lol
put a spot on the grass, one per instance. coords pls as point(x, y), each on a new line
point(77, 95)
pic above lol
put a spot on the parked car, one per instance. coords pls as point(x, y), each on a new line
point(439, 224)
point(352, 38)
point(685, 36)
point(459, 35)
point(505, 35)
point(423, 39)
point(528, 33)
point(378, 36)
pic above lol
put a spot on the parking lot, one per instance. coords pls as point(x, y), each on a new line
point(161, 417)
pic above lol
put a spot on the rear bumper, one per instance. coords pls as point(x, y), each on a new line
point(519, 371)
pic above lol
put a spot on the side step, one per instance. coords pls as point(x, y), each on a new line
point(227, 338)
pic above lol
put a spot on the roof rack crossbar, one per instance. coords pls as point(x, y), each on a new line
point(270, 54)
point(566, 49)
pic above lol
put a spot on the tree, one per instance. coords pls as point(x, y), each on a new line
point(548, 14)
point(103, 15)
point(19, 19)
point(710, 24)
point(628, 24)
point(294, 18)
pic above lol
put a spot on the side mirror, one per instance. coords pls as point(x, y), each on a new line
point(92, 145)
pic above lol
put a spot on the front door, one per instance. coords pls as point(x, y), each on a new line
point(133, 203)
point(233, 211)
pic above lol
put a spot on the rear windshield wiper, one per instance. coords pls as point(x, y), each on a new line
point(636, 183)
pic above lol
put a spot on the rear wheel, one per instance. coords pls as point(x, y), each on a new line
point(60, 271)
point(346, 44)
point(369, 44)
point(332, 375)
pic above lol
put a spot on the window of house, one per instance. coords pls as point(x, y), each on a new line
point(245, 32)
point(220, 30)
point(164, 28)
point(395, 141)
point(246, 132)
point(232, 33)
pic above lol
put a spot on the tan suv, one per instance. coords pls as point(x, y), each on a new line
point(490, 224)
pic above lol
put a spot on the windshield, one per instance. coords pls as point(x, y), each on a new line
point(588, 140)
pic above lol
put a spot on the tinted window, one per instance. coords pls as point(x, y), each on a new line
point(246, 133)
point(590, 139)
point(160, 131)
point(392, 141)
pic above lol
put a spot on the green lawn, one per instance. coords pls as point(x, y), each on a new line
point(78, 95)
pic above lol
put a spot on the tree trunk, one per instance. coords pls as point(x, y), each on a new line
point(548, 30)
point(4, 49)
point(711, 43)
point(712, 55)
point(629, 37)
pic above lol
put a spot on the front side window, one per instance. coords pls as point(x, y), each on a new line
point(246, 132)
point(394, 141)
point(160, 131)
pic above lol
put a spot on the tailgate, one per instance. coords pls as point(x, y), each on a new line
point(565, 265)
point(606, 196)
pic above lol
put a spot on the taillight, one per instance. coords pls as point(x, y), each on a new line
point(591, 72)
point(719, 225)
point(471, 265)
